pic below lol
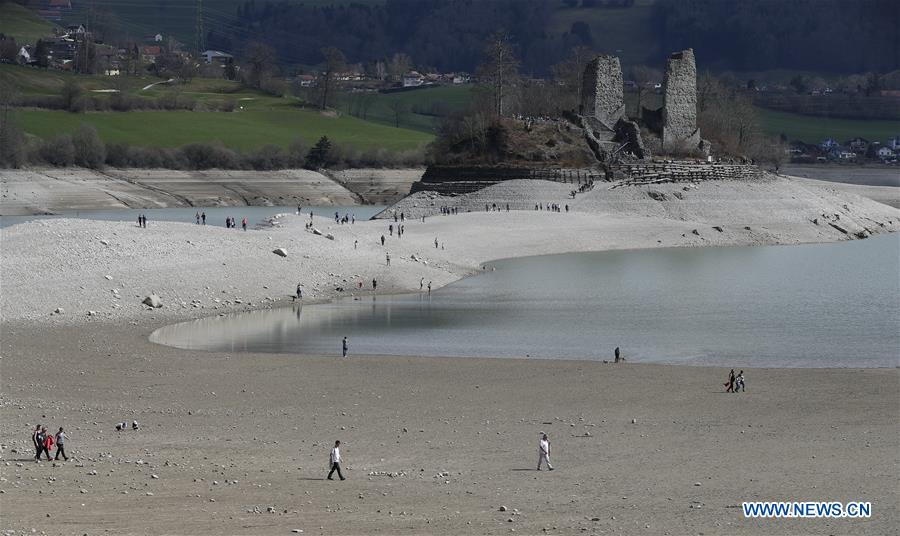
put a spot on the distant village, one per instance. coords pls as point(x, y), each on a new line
point(73, 47)
point(857, 150)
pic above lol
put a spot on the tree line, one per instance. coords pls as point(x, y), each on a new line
point(833, 36)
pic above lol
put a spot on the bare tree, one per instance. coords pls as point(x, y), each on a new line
point(398, 65)
point(399, 107)
point(500, 70)
point(644, 76)
point(334, 62)
point(260, 59)
point(569, 73)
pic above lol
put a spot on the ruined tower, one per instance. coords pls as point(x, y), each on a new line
point(679, 131)
point(602, 93)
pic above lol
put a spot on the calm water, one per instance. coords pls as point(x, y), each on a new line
point(827, 305)
point(214, 215)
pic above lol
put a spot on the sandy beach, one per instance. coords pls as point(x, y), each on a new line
point(238, 443)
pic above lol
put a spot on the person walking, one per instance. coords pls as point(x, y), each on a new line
point(618, 355)
point(382, 240)
point(335, 460)
point(61, 445)
point(244, 223)
point(391, 229)
point(299, 294)
point(429, 287)
point(435, 243)
point(544, 453)
point(344, 347)
point(374, 284)
point(35, 441)
point(355, 244)
point(730, 383)
point(739, 382)
point(421, 284)
point(203, 217)
point(197, 216)
point(45, 441)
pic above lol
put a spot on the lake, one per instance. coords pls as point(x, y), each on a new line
point(817, 305)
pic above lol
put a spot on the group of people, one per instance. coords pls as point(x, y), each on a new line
point(400, 230)
point(200, 217)
point(142, 221)
point(347, 218)
point(735, 383)
point(589, 185)
point(230, 224)
point(552, 207)
point(43, 442)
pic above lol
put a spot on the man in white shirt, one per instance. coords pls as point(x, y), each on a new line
point(544, 453)
point(335, 460)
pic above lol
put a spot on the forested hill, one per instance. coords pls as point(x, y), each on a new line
point(837, 36)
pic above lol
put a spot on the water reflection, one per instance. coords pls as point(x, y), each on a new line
point(821, 305)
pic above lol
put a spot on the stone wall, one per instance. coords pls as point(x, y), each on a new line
point(465, 179)
point(602, 94)
point(680, 103)
point(683, 171)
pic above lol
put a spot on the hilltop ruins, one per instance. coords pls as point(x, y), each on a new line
point(608, 130)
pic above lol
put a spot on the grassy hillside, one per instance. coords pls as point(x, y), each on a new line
point(258, 118)
point(422, 108)
point(811, 129)
point(238, 130)
point(22, 23)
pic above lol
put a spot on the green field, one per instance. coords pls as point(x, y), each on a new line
point(812, 129)
point(423, 101)
point(22, 23)
point(240, 130)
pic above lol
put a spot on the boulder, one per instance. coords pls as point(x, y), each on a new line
point(316, 231)
point(152, 301)
point(329, 236)
point(281, 252)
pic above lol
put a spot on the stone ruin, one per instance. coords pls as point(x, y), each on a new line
point(608, 130)
point(602, 93)
point(679, 112)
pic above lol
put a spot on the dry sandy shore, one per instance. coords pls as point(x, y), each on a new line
point(229, 434)
point(54, 190)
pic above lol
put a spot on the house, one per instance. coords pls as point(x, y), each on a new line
point(829, 144)
point(75, 29)
point(894, 143)
point(461, 78)
point(149, 53)
point(885, 153)
point(217, 56)
point(24, 56)
point(858, 145)
point(156, 38)
point(306, 80)
point(413, 79)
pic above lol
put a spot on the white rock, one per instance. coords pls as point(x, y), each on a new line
point(152, 301)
